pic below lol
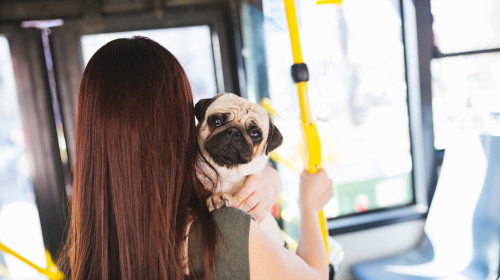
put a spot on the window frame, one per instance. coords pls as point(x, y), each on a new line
point(417, 35)
point(46, 171)
point(437, 54)
point(417, 41)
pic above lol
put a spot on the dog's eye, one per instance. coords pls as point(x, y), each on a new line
point(255, 134)
point(215, 121)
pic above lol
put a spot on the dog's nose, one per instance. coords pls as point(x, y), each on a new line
point(234, 132)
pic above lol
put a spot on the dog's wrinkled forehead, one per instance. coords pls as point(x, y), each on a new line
point(239, 109)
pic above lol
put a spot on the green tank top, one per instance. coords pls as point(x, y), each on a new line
point(232, 244)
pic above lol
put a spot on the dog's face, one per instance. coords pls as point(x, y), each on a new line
point(233, 131)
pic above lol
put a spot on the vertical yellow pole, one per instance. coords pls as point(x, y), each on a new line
point(310, 133)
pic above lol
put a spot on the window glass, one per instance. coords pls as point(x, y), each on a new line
point(461, 25)
point(466, 95)
point(19, 221)
point(192, 46)
point(358, 94)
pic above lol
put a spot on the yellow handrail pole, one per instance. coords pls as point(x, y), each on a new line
point(51, 271)
point(21, 258)
point(310, 133)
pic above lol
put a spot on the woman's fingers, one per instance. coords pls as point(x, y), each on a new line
point(258, 212)
point(250, 202)
point(258, 193)
point(239, 199)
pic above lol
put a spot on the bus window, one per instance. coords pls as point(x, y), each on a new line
point(358, 95)
point(192, 46)
point(19, 220)
point(459, 27)
point(465, 95)
point(465, 69)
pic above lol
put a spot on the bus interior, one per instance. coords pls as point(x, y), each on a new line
point(403, 93)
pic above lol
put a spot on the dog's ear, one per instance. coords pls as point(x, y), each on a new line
point(275, 139)
point(201, 107)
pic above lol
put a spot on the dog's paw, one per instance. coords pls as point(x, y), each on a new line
point(219, 200)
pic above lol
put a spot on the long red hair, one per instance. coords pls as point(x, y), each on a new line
point(135, 182)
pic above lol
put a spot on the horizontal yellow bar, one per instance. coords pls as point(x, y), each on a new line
point(337, 2)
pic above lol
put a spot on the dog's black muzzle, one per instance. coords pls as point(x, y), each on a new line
point(229, 147)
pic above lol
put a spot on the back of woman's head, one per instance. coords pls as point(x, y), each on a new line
point(134, 175)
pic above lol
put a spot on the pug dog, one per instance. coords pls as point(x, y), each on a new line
point(235, 137)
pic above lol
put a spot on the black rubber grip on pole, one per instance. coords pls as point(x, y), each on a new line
point(331, 272)
point(300, 73)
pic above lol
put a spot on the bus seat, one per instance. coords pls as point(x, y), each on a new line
point(462, 230)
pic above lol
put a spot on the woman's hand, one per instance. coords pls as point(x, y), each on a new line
point(259, 193)
point(315, 190)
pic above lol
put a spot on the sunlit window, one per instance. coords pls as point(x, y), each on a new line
point(466, 86)
point(461, 25)
point(358, 95)
point(19, 221)
point(192, 46)
point(466, 95)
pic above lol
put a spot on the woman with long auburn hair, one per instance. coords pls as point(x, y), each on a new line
point(138, 209)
